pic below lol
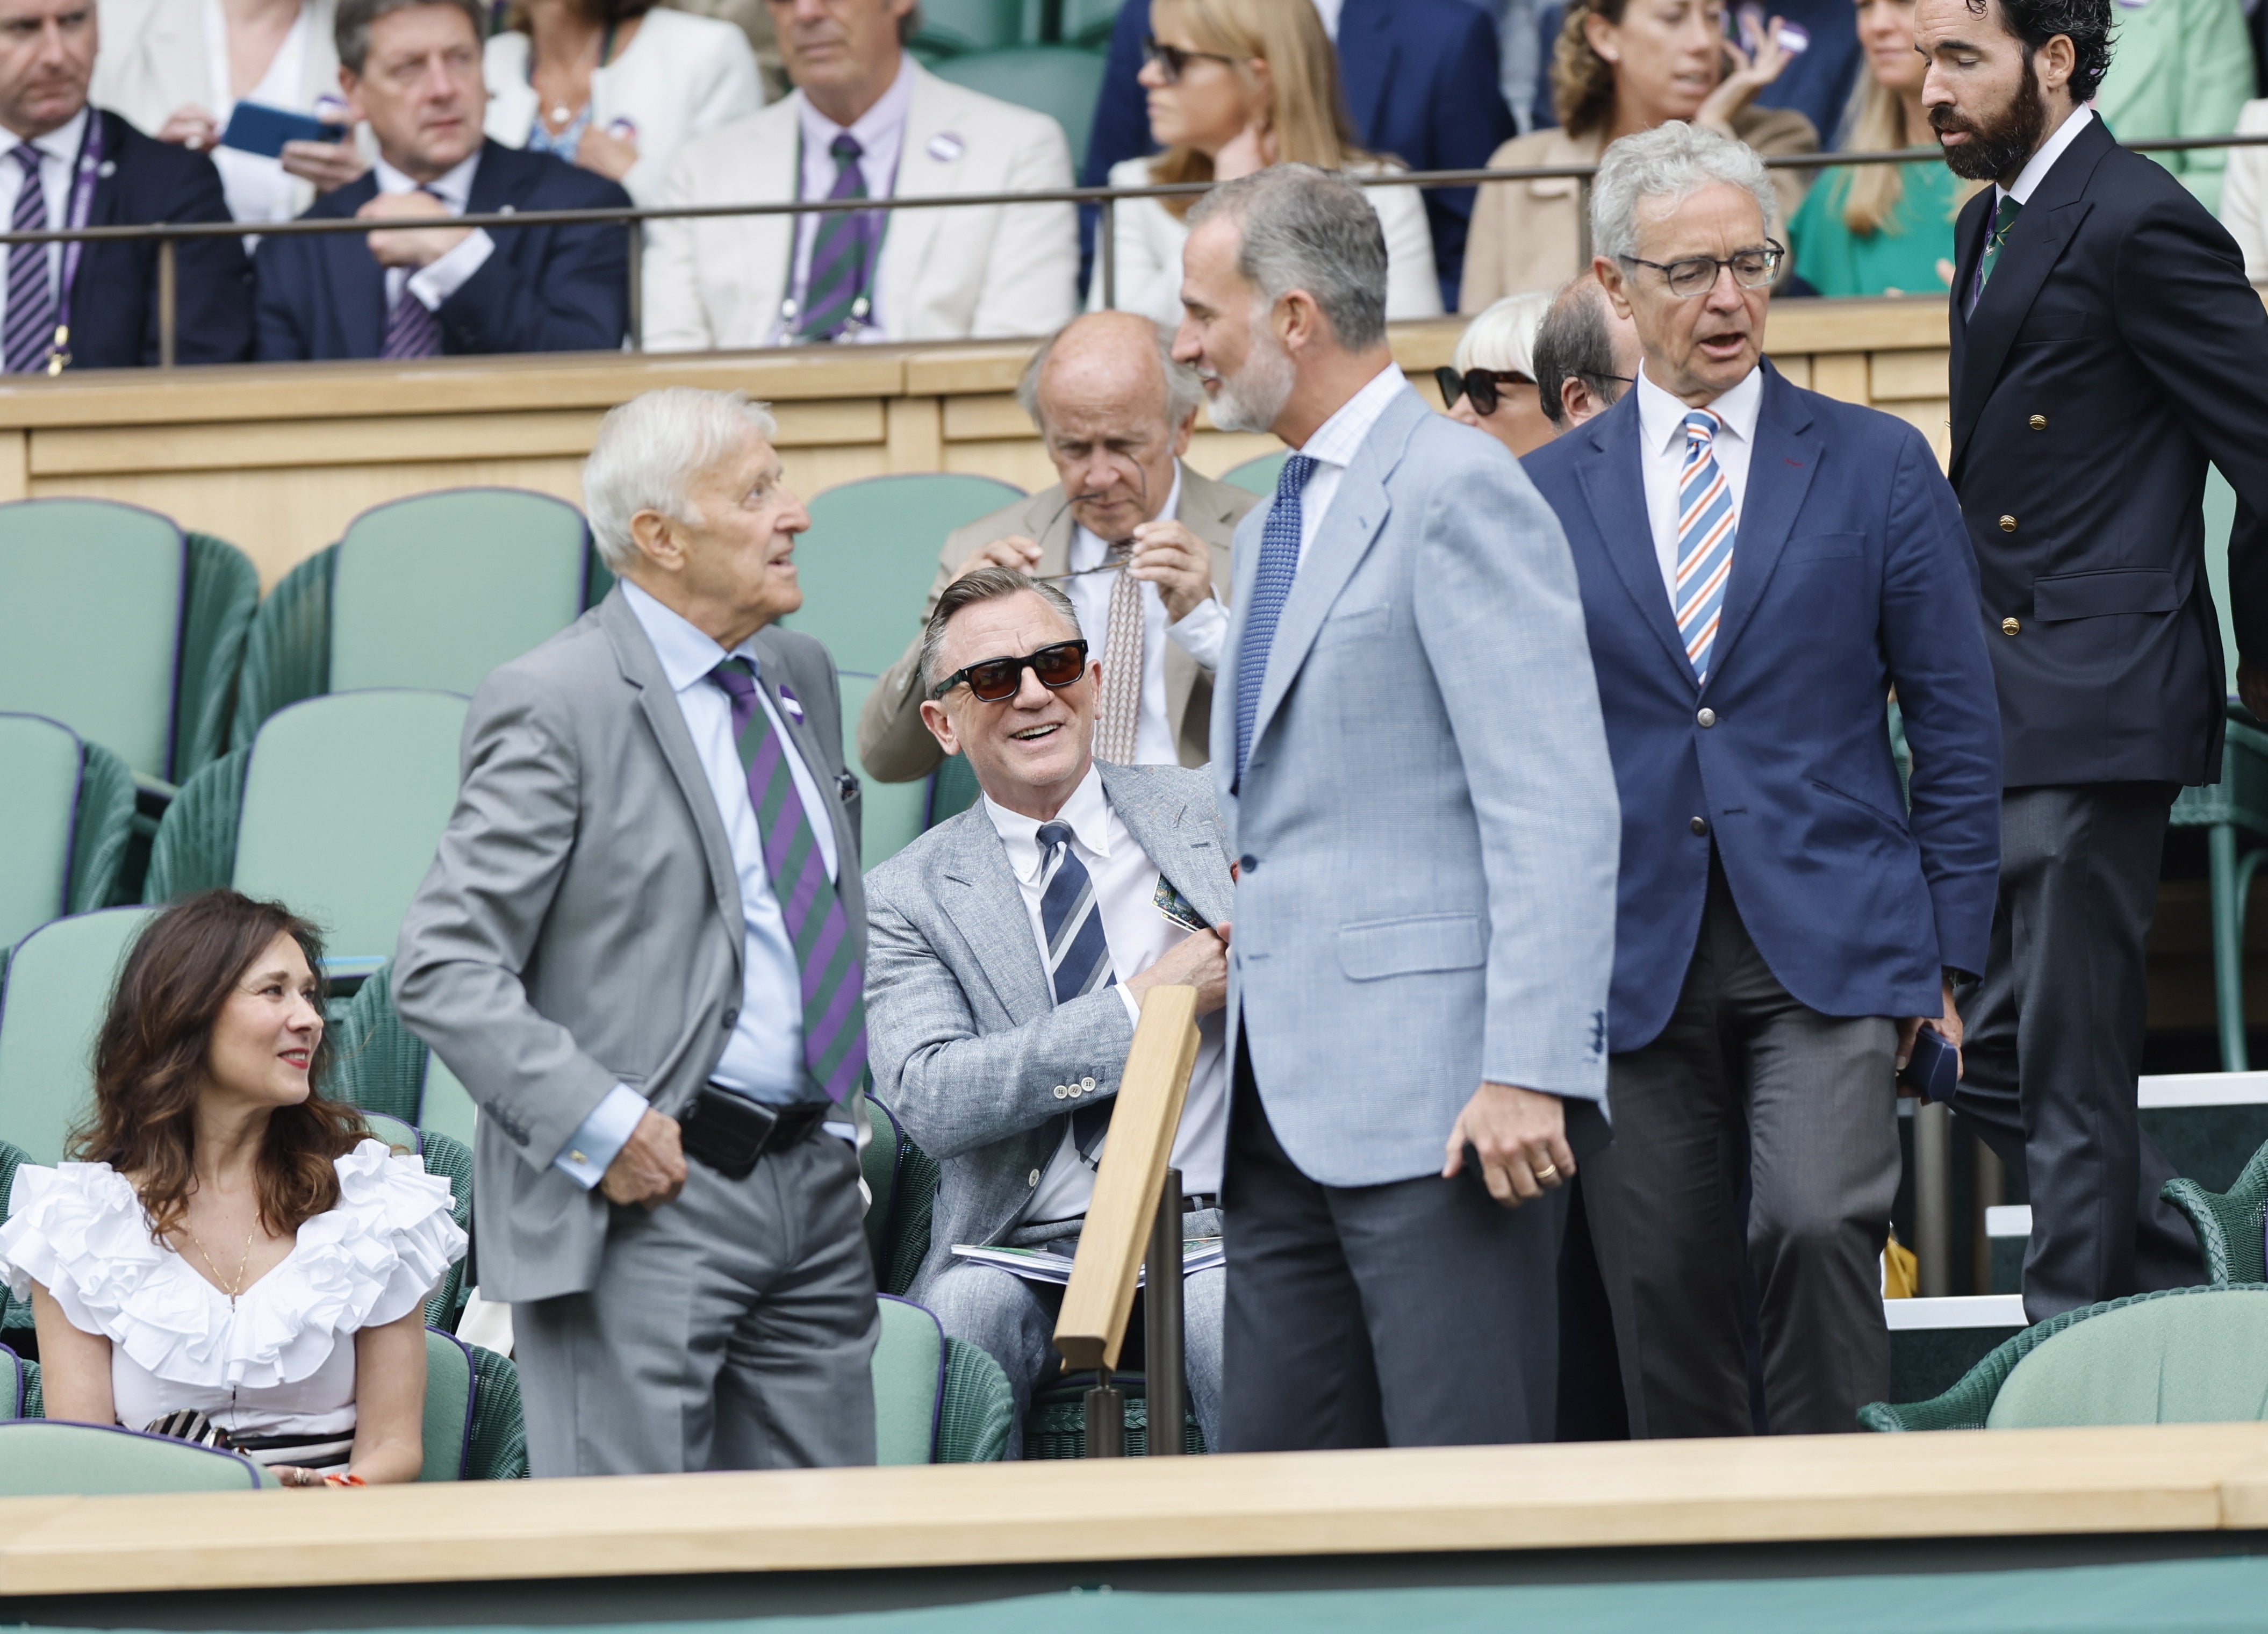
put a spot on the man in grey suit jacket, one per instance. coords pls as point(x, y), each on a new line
point(1115, 411)
point(1012, 947)
point(1411, 762)
point(642, 942)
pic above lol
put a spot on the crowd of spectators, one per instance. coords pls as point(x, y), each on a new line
point(272, 110)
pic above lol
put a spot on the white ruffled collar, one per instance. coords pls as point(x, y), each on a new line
point(79, 1230)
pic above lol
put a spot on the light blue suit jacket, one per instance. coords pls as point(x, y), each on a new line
point(1427, 825)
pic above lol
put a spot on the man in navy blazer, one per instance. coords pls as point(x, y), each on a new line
point(96, 170)
point(1420, 77)
point(412, 69)
point(1760, 566)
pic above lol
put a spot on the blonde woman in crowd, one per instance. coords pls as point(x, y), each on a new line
point(1491, 383)
point(1235, 86)
point(1622, 66)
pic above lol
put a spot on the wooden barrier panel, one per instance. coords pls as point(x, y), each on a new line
point(1091, 1327)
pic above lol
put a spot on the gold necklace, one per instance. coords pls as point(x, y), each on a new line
point(231, 1288)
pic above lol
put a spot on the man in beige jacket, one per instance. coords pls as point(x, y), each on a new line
point(1116, 413)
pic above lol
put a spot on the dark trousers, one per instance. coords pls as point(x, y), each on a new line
point(2055, 1043)
point(1742, 1068)
point(1420, 1313)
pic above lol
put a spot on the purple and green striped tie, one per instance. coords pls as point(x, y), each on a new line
point(842, 251)
point(833, 976)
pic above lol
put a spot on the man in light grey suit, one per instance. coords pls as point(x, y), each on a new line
point(1115, 411)
point(1409, 755)
point(1012, 947)
point(641, 948)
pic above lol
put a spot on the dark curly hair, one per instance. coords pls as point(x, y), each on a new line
point(2036, 22)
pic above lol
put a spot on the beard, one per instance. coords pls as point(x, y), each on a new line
point(1253, 399)
point(1999, 146)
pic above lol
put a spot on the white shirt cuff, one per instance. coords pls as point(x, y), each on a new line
point(1203, 632)
point(585, 1158)
point(1133, 1005)
point(436, 281)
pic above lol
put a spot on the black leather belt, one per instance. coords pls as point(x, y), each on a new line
point(726, 1132)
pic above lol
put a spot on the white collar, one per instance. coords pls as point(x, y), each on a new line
point(1328, 11)
point(1087, 812)
point(686, 653)
point(453, 188)
point(62, 142)
point(1662, 417)
point(2035, 169)
point(871, 130)
point(1339, 438)
point(1081, 532)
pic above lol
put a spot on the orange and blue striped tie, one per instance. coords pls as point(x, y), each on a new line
point(834, 977)
point(1705, 527)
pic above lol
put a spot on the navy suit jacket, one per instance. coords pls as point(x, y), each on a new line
point(113, 318)
point(2116, 348)
point(1420, 77)
point(1850, 575)
point(543, 289)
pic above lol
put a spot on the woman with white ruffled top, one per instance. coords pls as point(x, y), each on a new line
point(233, 1259)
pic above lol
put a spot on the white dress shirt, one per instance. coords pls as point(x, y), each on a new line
point(1138, 936)
point(2035, 168)
point(1328, 11)
point(763, 1057)
point(1199, 634)
point(438, 279)
point(58, 151)
point(1334, 445)
point(1662, 439)
point(257, 185)
point(880, 133)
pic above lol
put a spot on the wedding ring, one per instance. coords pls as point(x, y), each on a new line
point(1549, 1172)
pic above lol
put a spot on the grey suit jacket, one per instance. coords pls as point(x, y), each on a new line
point(967, 1041)
point(892, 743)
point(582, 923)
point(1428, 825)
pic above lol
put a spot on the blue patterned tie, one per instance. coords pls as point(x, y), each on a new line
point(31, 294)
point(1706, 526)
point(1279, 565)
point(1078, 957)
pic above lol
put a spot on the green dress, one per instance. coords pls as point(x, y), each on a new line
point(1902, 254)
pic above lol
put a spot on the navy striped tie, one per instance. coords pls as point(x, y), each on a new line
point(1271, 584)
point(31, 331)
point(1078, 956)
point(413, 329)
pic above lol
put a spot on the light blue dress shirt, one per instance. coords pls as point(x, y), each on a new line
point(763, 1057)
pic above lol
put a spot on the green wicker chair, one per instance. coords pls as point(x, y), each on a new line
point(430, 592)
point(949, 28)
point(66, 815)
point(43, 1460)
point(2176, 1356)
point(937, 1400)
point(1056, 1426)
point(2229, 1224)
point(2231, 811)
point(1062, 81)
point(474, 1428)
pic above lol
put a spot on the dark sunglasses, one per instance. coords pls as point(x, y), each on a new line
point(1478, 384)
point(995, 680)
point(1173, 61)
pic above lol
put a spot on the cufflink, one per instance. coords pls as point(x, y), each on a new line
point(577, 1157)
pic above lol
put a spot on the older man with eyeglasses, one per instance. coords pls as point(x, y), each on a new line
point(1761, 565)
point(1010, 948)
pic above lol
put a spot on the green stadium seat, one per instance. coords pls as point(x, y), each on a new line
point(936, 1399)
point(2229, 1224)
point(173, 609)
point(2234, 814)
point(2177, 1356)
point(1257, 476)
point(950, 27)
point(43, 1459)
point(66, 815)
point(865, 568)
point(430, 592)
point(474, 1429)
point(1089, 22)
point(1063, 82)
point(335, 809)
point(56, 992)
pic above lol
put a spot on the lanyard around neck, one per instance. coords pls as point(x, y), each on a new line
point(84, 173)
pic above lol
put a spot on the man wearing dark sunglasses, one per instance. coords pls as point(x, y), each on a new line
point(1012, 946)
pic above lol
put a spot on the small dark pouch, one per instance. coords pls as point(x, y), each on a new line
point(727, 1132)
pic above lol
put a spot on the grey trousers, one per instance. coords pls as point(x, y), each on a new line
point(1421, 1313)
point(1811, 1098)
point(1014, 1322)
point(733, 1328)
point(2054, 1048)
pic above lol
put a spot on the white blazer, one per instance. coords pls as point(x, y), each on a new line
point(943, 275)
point(680, 76)
point(1148, 238)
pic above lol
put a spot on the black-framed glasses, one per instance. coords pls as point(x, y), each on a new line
point(995, 680)
point(1174, 61)
point(1480, 384)
point(1697, 275)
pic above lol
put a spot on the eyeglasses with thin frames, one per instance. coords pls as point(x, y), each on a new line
point(1174, 61)
point(995, 680)
point(1697, 275)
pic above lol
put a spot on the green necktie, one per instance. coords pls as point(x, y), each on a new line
point(2002, 220)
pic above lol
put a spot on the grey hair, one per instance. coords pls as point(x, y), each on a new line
point(984, 584)
point(1309, 229)
point(1183, 390)
point(350, 26)
point(648, 451)
point(1504, 335)
point(1668, 164)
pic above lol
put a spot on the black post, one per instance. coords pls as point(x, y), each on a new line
point(1106, 1419)
point(1169, 1387)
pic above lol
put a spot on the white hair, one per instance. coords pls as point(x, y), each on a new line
point(1503, 337)
point(1667, 166)
point(650, 449)
point(1185, 392)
